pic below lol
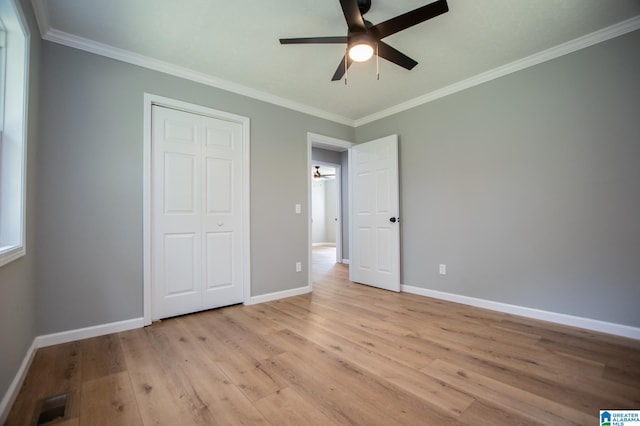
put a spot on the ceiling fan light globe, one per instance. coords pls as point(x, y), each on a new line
point(361, 52)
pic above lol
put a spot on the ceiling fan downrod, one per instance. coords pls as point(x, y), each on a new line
point(364, 6)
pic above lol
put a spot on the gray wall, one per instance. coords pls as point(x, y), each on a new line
point(90, 177)
point(17, 279)
point(527, 187)
point(325, 155)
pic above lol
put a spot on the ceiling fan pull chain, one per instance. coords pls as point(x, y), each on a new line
point(377, 63)
point(346, 68)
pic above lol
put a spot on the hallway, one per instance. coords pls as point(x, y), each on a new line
point(324, 266)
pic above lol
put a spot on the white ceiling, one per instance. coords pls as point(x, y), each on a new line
point(234, 44)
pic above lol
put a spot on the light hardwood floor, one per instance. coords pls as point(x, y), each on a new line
point(347, 354)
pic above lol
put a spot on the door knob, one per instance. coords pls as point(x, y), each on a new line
point(394, 220)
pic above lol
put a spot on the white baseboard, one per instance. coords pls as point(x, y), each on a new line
point(586, 323)
point(10, 396)
point(87, 332)
point(54, 339)
point(345, 261)
point(280, 295)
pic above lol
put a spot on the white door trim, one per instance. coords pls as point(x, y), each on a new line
point(326, 142)
point(149, 101)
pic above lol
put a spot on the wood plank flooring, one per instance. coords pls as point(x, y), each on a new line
point(346, 354)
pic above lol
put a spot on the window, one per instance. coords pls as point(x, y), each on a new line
point(14, 48)
point(3, 67)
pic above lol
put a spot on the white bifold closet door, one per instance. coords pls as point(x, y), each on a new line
point(196, 212)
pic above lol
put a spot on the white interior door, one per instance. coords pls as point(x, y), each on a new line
point(375, 207)
point(196, 224)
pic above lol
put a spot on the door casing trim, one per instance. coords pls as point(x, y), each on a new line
point(147, 276)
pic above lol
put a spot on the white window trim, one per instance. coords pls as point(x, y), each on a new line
point(3, 63)
point(13, 134)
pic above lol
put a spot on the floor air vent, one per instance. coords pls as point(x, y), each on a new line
point(51, 409)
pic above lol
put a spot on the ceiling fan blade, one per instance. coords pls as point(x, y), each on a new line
point(409, 19)
point(352, 15)
point(340, 70)
point(393, 55)
point(311, 40)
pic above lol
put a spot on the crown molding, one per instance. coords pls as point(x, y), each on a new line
point(41, 10)
point(51, 34)
point(42, 16)
point(579, 43)
point(91, 46)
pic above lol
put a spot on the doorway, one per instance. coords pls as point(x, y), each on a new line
point(328, 224)
point(326, 214)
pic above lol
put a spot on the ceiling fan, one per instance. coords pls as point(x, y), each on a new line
point(363, 38)
point(318, 175)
